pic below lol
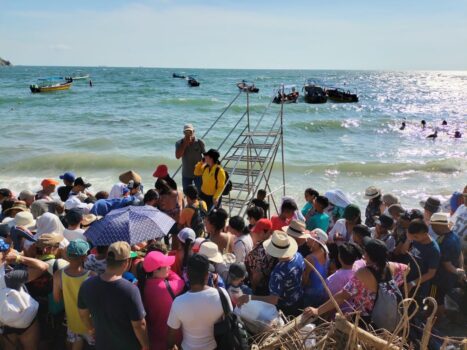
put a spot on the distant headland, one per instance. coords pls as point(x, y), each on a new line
point(4, 62)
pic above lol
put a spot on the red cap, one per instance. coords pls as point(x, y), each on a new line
point(161, 171)
point(155, 260)
point(262, 225)
point(48, 182)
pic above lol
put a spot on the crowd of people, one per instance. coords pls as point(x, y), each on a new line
point(58, 289)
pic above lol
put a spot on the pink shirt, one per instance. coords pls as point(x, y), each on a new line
point(157, 302)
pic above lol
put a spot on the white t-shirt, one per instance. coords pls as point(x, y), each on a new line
point(242, 246)
point(197, 313)
point(340, 227)
point(459, 221)
point(71, 235)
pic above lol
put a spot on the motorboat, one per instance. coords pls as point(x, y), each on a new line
point(247, 87)
point(313, 93)
point(51, 84)
point(286, 94)
point(341, 95)
point(192, 81)
point(175, 75)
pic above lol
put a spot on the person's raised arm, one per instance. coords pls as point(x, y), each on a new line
point(180, 148)
point(35, 267)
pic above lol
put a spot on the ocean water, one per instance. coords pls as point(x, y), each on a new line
point(131, 118)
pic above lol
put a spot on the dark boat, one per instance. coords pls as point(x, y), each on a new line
point(175, 75)
point(192, 82)
point(284, 96)
point(340, 95)
point(244, 86)
point(314, 93)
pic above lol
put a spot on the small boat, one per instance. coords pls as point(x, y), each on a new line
point(341, 95)
point(244, 86)
point(286, 94)
point(35, 88)
point(192, 82)
point(175, 75)
point(51, 84)
point(314, 93)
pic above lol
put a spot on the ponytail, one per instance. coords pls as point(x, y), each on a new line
point(186, 252)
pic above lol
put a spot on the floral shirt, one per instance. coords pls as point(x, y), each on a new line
point(362, 299)
point(258, 261)
point(286, 280)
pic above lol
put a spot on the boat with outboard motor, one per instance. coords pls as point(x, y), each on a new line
point(313, 93)
point(341, 95)
point(175, 75)
point(192, 81)
point(247, 87)
point(286, 94)
point(51, 84)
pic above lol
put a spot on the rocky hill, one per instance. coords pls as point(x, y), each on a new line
point(4, 62)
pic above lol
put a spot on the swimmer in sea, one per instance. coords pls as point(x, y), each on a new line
point(444, 123)
point(423, 124)
point(402, 126)
point(457, 134)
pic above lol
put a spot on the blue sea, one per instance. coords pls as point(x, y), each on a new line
point(132, 117)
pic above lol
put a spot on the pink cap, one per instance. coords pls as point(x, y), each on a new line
point(155, 260)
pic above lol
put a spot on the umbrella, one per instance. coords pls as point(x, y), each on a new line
point(133, 224)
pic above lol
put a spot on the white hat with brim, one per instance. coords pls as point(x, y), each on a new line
point(440, 219)
point(280, 245)
point(25, 219)
point(211, 251)
point(337, 198)
point(372, 192)
point(296, 229)
point(320, 237)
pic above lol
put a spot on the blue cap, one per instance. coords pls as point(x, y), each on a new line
point(3, 245)
point(68, 176)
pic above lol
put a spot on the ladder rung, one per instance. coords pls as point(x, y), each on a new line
point(243, 171)
point(247, 158)
point(232, 203)
point(255, 145)
point(242, 186)
point(261, 133)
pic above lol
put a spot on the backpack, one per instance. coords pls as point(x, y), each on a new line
point(197, 220)
point(385, 313)
point(17, 308)
point(228, 183)
point(230, 333)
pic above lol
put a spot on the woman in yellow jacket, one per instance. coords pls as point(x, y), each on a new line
point(213, 178)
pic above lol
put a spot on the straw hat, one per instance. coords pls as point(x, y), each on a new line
point(17, 205)
point(280, 245)
point(130, 175)
point(25, 219)
point(372, 192)
point(296, 229)
point(211, 251)
point(440, 219)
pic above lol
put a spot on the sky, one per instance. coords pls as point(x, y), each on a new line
point(269, 34)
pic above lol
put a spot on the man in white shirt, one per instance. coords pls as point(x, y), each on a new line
point(196, 311)
point(459, 221)
point(74, 231)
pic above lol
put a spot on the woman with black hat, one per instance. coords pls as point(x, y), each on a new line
point(362, 289)
point(213, 178)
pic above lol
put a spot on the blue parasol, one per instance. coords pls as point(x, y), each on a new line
point(132, 224)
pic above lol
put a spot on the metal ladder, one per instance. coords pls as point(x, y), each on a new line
point(249, 154)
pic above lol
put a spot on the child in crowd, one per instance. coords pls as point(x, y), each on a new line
point(260, 201)
point(235, 282)
point(319, 219)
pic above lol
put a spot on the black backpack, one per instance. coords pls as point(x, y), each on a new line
point(230, 333)
point(197, 220)
point(228, 186)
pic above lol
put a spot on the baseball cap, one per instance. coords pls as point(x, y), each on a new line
point(79, 181)
point(68, 176)
point(49, 240)
point(188, 127)
point(77, 248)
point(385, 221)
point(161, 171)
point(186, 233)
point(155, 260)
point(237, 270)
point(119, 251)
point(262, 225)
point(48, 182)
point(3, 245)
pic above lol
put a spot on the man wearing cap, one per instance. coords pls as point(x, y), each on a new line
point(48, 187)
point(79, 190)
point(373, 209)
point(285, 283)
point(191, 150)
point(382, 231)
point(430, 206)
point(259, 264)
point(451, 268)
point(64, 191)
point(66, 285)
point(115, 305)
